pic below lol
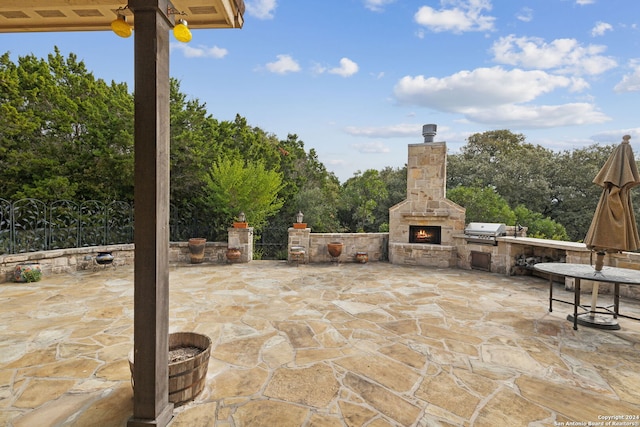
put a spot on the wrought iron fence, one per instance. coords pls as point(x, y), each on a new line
point(272, 242)
point(29, 225)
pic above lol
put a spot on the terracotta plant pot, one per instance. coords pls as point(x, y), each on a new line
point(362, 257)
point(335, 249)
point(299, 225)
point(237, 224)
point(233, 254)
point(196, 249)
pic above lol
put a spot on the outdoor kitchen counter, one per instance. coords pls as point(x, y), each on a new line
point(546, 243)
point(613, 275)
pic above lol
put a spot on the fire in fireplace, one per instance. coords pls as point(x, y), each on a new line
point(428, 234)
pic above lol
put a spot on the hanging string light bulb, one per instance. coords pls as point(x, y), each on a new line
point(181, 31)
point(121, 27)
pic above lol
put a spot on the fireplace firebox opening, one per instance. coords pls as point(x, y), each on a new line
point(428, 234)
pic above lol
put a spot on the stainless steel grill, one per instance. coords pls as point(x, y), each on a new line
point(484, 232)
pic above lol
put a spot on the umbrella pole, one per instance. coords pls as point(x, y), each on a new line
point(594, 300)
point(594, 292)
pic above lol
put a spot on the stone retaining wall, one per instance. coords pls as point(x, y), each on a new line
point(315, 245)
point(73, 259)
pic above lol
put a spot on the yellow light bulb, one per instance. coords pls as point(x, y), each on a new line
point(120, 26)
point(182, 32)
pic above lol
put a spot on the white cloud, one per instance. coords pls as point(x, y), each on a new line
point(261, 9)
point(371, 148)
point(630, 82)
point(482, 87)
point(583, 2)
point(542, 116)
point(565, 56)
point(285, 64)
point(499, 97)
point(377, 5)
point(190, 51)
point(601, 28)
point(465, 15)
point(393, 131)
point(615, 136)
point(525, 14)
point(347, 68)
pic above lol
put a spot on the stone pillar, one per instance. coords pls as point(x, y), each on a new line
point(151, 406)
point(241, 238)
point(299, 237)
point(427, 171)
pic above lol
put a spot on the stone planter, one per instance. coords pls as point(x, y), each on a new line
point(196, 249)
point(188, 363)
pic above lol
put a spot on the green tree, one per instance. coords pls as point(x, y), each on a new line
point(539, 226)
point(575, 196)
point(309, 188)
point(233, 186)
point(360, 195)
point(518, 171)
point(482, 205)
point(395, 182)
point(64, 133)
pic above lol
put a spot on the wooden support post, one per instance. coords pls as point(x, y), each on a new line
point(151, 273)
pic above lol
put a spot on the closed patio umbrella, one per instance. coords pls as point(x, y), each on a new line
point(613, 228)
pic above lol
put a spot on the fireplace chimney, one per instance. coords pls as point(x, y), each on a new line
point(429, 132)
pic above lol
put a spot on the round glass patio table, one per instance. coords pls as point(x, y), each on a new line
point(614, 275)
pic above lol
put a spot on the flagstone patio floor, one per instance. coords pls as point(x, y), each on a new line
point(322, 345)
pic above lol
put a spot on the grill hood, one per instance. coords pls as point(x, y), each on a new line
point(485, 229)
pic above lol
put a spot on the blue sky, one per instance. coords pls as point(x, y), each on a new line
point(357, 79)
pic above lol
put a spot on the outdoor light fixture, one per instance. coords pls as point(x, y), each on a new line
point(181, 31)
point(121, 27)
point(299, 217)
point(242, 217)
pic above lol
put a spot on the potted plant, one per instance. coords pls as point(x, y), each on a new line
point(27, 272)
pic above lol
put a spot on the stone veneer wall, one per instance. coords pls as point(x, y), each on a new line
point(74, 259)
point(425, 255)
point(503, 255)
point(315, 244)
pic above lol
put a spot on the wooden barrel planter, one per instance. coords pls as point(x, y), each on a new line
point(188, 363)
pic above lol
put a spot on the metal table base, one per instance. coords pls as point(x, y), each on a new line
point(593, 315)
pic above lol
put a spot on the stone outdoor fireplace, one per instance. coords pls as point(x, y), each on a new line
point(421, 228)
